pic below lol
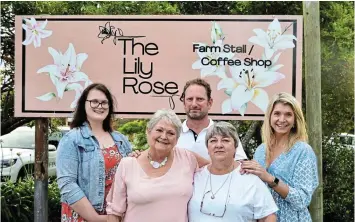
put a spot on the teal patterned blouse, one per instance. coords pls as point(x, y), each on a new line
point(298, 169)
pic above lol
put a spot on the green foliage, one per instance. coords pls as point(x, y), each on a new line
point(17, 201)
point(136, 133)
point(338, 179)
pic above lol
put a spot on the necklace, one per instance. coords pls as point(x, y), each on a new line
point(156, 164)
point(210, 178)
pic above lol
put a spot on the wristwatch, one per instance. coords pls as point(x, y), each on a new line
point(274, 183)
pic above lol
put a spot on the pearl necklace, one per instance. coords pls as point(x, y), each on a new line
point(156, 164)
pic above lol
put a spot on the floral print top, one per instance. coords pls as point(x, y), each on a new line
point(112, 158)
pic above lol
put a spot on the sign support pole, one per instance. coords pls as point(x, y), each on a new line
point(41, 170)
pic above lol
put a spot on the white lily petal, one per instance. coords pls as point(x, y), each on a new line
point(46, 97)
point(56, 56)
point(37, 41)
point(288, 38)
point(44, 33)
point(48, 68)
point(226, 83)
point(207, 71)
point(79, 76)
point(240, 96)
point(197, 65)
point(267, 78)
point(73, 86)
point(284, 45)
point(227, 106)
point(43, 24)
point(243, 108)
point(275, 25)
point(28, 21)
point(260, 99)
point(72, 56)
point(87, 83)
point(29, 38)
point(258, 41)
point(275, 68)
point(80, 59)
point(276, 58)
point(269, 52)
point(25, 27)
point(221, 72)
point(74, 104)
point(33, 21)
point(60, 85)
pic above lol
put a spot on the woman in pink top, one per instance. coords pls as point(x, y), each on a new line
point(158, 184)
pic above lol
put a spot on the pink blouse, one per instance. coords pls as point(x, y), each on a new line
point(141, 198)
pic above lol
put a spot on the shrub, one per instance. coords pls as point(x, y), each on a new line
point(338, 181)
point(17, 201)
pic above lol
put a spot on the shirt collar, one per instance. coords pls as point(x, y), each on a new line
point(185, 128)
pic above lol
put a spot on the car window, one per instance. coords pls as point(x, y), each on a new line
point(346, 140)
point(19, 139)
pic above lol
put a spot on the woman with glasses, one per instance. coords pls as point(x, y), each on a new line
point(156, 186)
point(88, 155)
point(285, 161)
point(221, 193)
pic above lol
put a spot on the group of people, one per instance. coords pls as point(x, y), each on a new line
point(193, 171)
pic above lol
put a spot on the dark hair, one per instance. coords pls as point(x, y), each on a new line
point(80, 113)
point(199, 82)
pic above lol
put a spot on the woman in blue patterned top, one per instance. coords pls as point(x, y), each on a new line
point(285, 161)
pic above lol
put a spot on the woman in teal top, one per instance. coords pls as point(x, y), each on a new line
point(285, 161)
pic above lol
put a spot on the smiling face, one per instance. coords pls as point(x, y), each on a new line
point(282, 119)
point(221, 148)
point(96, 106)
point(162, 137)
point(196, 102)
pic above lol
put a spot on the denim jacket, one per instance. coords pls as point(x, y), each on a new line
point(81, 166)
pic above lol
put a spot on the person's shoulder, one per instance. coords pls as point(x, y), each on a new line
point(260, 150)
point(303, 149)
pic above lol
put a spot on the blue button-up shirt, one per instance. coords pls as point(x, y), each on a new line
point(81, 166)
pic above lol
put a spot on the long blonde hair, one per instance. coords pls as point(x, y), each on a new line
point(298, 132)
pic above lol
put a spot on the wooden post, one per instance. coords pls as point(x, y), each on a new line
point(41, 171)
point(313, 96)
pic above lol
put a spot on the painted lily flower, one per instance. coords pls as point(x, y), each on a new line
point(273, 39)
point(246, 85)
point(35, 32)
point(78, 91)
point(66, 68)
point(212, 53)
point(216, 33)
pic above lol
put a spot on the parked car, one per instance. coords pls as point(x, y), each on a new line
point(17, 154)
point(345, 139)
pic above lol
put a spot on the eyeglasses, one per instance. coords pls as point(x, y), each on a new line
point(94, 103)
point(212, 214)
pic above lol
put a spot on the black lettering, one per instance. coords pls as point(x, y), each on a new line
point(140, 86)
point(135, 44)
point(126, 85)
point(195, 46)
point(174, 86)
point(158, 85)
point(124, 67)
point(203, 59)
point(226, 48)
point(154, 48)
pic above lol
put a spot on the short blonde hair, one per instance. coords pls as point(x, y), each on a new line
point(298, 132)
point(167, 115)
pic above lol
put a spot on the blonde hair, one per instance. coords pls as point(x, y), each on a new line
point(298, 131)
